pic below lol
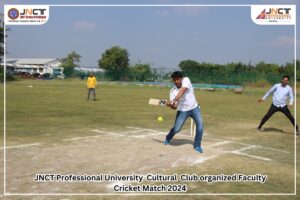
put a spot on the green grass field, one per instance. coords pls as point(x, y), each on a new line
point(54, 113)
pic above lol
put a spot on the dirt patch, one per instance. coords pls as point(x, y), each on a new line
point(132, 151)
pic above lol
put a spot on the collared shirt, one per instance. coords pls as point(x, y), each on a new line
point(187, 101)
point(280, 94)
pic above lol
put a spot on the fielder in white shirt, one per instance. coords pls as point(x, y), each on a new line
point(280, 93)
point(183, 99)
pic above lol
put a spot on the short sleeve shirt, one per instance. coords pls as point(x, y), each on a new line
point(188, 100)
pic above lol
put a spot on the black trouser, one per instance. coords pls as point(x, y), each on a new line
point(273, 109)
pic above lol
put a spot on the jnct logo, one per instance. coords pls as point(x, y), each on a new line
point(26, 14)
point(33, 12)
point(13, 13)
point(262, 15)
point(275, 13)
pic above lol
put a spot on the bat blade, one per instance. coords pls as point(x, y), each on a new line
point(157, 102)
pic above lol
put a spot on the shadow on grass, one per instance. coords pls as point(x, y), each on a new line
point(177, 142)
point(277, 130)
point(273, 129)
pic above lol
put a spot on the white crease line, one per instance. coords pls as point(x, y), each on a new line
point(216, 139)
point(245, 154)
point(136, 131)
point(147, 135)
point(99, 131)
point(279, 150)
point(151, 130)
point(218, 144)
point(243, 149)
point(142, 129)
point(125, 133)
point(79, 138)
point(20, 146)
point(109, 133)
point(188, 160)
point(272, 149)
point(192, 161)
point(202, 160)
point(238, 152)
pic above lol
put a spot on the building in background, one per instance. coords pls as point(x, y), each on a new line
point(89, 69)
point(33, 66)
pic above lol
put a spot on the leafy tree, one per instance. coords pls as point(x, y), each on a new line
point(68, 63)
point(9, 77)
point(289, 68)
point(1, 41)
point(236, 73)
point(263, 67)
point(1, 50)
point(298, 70)
point(116, 62)
point(141, 72)
point(189, 66)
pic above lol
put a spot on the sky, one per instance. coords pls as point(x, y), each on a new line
point(160, 36)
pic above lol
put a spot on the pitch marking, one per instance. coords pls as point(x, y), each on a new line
point(20, 146)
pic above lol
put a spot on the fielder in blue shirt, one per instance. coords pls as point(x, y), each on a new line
point(280, 93)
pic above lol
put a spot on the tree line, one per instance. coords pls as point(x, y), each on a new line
point(237, 73)
point(116, 63)
point(2, 36)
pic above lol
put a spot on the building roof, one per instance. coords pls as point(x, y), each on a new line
point(31, 61)
point(89, 69)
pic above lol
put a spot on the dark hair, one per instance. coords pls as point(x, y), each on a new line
point(286, 76)
point(177, 74)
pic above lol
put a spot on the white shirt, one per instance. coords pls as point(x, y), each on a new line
point(280, 94)
point(187, 101)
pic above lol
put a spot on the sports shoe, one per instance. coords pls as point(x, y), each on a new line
point(199, 149)
point(167, 142)
point(258, 129)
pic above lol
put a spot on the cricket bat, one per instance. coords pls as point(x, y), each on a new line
point(158, 102)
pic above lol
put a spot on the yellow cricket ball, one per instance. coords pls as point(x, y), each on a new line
point(160, 119)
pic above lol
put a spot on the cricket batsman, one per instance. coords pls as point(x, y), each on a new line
point(183, 99)
point(280, 93)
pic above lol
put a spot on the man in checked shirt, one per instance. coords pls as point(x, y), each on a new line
point(280, 93)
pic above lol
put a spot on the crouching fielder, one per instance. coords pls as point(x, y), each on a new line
point(280, 93)
point(183, 99)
